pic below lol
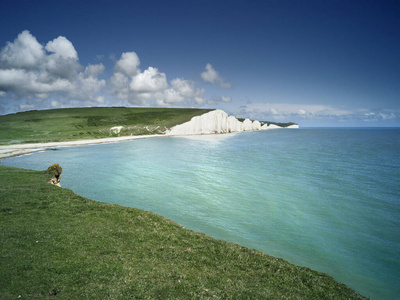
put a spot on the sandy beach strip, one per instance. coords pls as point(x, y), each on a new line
point(22, 149)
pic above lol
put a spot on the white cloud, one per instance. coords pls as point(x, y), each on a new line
point(199, 100)
point(216, 100)
point(62, 48)
point(27, 70)
point(88, 87)
point(226, 99)
point(63, 59)
point(301, 111)
point(120, 86)
point(128, 64)
point(171, 96)
point(22, 82)
point(93, 70)
point(180, 91)
point(184, 87)
point(100, 99)
point(33, 76)
point(150, 81)
point(382, 115)
point(187, 90)
point(25, 52)
point(140, 88)
point(210, 75)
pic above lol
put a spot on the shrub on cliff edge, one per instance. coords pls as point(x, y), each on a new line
point(54, 170)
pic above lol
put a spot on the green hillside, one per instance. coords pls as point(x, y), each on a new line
point(90, 122)
point(55, 244)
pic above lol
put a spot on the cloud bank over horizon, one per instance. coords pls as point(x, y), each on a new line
point(306, 114)
point(43, 76)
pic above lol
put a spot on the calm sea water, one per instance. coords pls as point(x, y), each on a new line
point(328, 199)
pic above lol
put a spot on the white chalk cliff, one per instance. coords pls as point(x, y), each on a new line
point(216, 121)
point(274, 126)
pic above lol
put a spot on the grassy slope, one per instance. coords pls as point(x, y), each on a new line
point(56, 244)
point(90, 122)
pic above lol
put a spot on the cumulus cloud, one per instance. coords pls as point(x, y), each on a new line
point(88, 86)
point(170, 96)
point(216, 100)
point(180, 91)
point(140, 88)
point(37, 75)
point(23, 82)
point(128, 64)
point(24, 53)
point(129, 83)
point(93, 70)
point(120, 86)
point(150, 81)
point(62, 48)
point(29, 70)
point(184, 87)
point(187, 90)
point(226, 99)
point(210, 75)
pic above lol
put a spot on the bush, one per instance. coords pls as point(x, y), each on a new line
point(54, 170)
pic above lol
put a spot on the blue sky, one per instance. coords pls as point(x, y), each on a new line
point(317, 63)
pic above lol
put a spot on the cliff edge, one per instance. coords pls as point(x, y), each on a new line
point(217, 121)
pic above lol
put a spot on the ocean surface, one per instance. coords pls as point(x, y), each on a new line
point(327, 198)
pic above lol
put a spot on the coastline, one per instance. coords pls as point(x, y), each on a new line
point(28, 148)
point(213, 122)
point(23, 149)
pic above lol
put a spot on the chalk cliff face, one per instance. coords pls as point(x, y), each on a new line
point(293, 126)
point(216, 121)
point(273, 126)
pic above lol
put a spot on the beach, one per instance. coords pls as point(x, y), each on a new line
point(22, 149)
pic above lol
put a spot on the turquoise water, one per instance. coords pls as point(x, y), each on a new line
point(328, 199)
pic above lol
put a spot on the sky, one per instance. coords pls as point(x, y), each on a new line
point(315, 63)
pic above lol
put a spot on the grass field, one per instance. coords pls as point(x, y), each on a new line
point(88, 123)
point(55, 244)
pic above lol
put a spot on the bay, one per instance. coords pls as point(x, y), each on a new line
point(328, 199)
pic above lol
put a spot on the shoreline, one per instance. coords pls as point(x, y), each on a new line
point(23, 149)
point(14, 150)
point(213, 122)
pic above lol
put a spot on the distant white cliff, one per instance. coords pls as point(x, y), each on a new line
point(274, 126)
point(216, 121)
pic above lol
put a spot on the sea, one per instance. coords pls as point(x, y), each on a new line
point(324, 198)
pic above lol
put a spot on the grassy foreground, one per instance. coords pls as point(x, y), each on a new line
point(55, 244)
point(90, 122)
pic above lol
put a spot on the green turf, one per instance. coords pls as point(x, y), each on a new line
point(55, 244)
point(90, 122)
